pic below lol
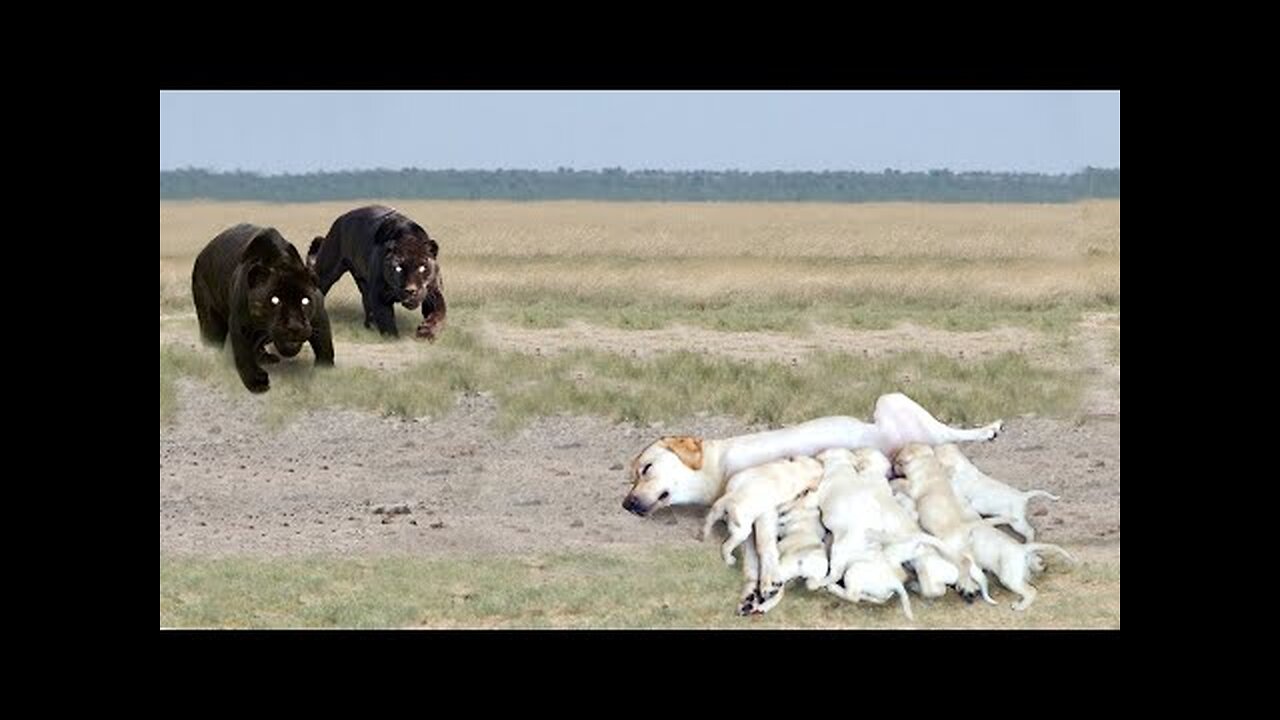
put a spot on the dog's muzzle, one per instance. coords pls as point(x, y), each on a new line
point(633, 505)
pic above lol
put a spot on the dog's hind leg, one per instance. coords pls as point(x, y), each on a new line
point(1028, 594)
point(906, 601)
point(903, 421)
point(737, 535)
point(766, 540)
point(1023, 528)
point(750, 594)
point(981, 578)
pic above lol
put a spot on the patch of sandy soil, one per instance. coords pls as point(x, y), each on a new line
point(351, 483)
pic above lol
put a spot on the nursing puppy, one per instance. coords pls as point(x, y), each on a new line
point(757, 492)
point(985, 494)
point(942, 513)
point(873, 534)
point(1011, 561)
point(802, 552)
point(877, 574)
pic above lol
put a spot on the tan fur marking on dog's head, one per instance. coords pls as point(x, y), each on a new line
point(687, 448)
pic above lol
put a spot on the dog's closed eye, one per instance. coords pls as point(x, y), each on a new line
point(645, 470)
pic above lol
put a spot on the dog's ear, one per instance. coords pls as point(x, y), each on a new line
point(687, 448)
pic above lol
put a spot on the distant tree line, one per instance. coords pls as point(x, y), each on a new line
point(619, 184)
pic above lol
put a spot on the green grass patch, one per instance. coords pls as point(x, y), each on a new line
point(671, 587)
point(666, 387)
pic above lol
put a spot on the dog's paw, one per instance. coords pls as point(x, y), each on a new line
point(730, 560)
point(997, 427)
point(267, 358)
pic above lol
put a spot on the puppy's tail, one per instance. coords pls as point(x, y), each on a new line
point(314, 251)
point(1040, 493)
point(1050, 547)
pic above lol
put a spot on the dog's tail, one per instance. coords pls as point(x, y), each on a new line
point(1040, 493)
point(314, 251)
point(1050, 547)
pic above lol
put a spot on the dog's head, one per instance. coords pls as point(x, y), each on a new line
point(665, 473)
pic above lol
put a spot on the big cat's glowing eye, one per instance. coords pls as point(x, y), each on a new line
point(399, 269)
point(422, 268)
point(275, 300)
point(306, 301)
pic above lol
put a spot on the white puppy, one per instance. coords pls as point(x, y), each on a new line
point(878, 574)
point(860, 510)
point(985, 494)
point(756, 492)
point(1011, 561)
point(802, 552)
point(943, 514)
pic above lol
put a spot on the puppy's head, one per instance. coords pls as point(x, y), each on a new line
point(808, 464)
point(871, 462)
point(835, 455)
point(665, 473)
point(909, 454)
point(949, 455)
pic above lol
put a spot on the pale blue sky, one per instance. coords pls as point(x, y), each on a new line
point(296, 132)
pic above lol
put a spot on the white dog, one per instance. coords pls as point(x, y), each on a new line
point(985, 494)
point(1011, 561)
point(690, 470)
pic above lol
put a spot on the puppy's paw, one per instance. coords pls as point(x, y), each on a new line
point(267, 358)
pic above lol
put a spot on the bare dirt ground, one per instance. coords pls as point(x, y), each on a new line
point(349, 483)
